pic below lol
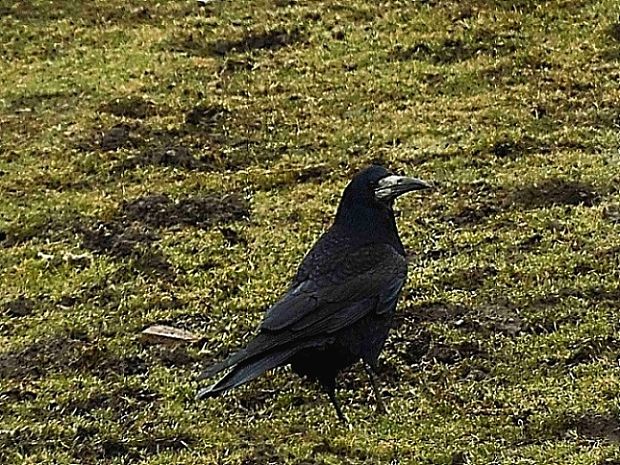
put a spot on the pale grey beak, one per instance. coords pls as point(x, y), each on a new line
point(394, 186)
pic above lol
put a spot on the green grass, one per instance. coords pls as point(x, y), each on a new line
point(507, 344)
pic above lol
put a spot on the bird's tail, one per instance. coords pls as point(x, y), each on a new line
point(245, 371)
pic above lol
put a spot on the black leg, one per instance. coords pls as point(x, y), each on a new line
point(331, 392)
point(375, 388)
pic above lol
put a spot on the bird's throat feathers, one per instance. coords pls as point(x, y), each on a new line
point(370, 222)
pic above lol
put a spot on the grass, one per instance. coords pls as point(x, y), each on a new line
point(163, 162)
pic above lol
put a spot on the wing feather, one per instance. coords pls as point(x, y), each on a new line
point(329, 298)
point(373, 271)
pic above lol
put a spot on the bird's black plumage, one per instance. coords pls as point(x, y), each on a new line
point(340, 305)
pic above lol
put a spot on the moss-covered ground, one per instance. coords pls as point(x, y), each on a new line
point(170, 162)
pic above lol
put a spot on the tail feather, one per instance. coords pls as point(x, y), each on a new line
point(226, 363)
point(246, 371)
point(265, 343)
point(257, 346)
point(247, 367)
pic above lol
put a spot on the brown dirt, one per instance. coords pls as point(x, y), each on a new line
point(258, 40)
point(116, 239)
point(453, 50)
point(416, 348)
point(232, 237)
point(175, 156)
point(206, 115)
point(132, 106)
point(450, 354)
point(92, 449)
point(470, 214)
point(485, 319)
point(66, 353)
point(90, 445)
point(173, 356)
point(115, 138)
point(206, 131)
point(614, 31)
point(131, 233)
point(548, 323)
point(310, 174)
point(592, 349)
point(20, 307)
point(434, 312)
point(235, 65)
point(123, 135)
point(37, 100)
point(470, 279)
point(589, 425)
point(514, 148)
point(18, 395)
point(459, 458)
point(123, 402)
point(255, 400)
point(262, 454)
point(493, 319)
point(477, 202)
point(527, 244)
point(554, 191)
point(200, 211)
point(123, 240)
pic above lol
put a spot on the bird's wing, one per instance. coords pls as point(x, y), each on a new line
point(330, 298)
point(374, 272)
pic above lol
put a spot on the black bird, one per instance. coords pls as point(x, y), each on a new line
point(340, 305)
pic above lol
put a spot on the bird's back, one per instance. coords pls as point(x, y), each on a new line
point(338, 257)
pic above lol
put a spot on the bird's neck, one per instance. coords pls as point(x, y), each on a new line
point(369, 225)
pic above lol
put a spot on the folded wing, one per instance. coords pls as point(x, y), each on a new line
point(328, 299)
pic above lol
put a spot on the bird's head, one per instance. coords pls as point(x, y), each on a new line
point(376, 185)
point(365, 210)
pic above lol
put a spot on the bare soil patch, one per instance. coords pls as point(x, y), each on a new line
point(200, 211)
point(452, 50)
point(20, 307)
point(131, 234)
point(62, 353)
point(124, 240)
point(258, 40)
point(449, 354)
point(175, 156)
point(597, 426)
point(554, 191)
point(132, 106)
point(484, 319)
point(513, 148)
point(116, 239)
point(592, 349)
point(416, 348)
point(206, 115)
point(115, 138)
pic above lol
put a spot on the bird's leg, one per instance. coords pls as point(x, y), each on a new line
point(375, 388)
point(331, 392)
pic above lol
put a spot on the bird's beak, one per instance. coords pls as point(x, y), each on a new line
point(394, 186)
